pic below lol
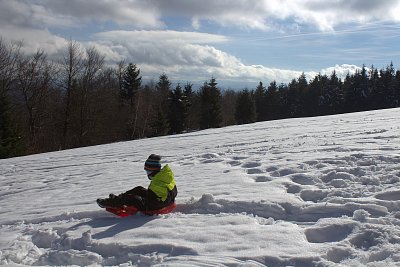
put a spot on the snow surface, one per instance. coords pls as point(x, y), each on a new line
point(318, 191)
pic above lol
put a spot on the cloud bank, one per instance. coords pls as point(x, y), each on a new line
point(136, 30)
point(262, 14)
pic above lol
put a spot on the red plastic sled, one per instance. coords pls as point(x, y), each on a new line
point(129, 210)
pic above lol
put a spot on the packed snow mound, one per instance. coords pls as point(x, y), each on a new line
point(299, 192)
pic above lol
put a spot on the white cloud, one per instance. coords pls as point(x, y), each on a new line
point(165, 48)
point(249, 14)
point(182, 55)
point(162, 36)
point(59, 13)
point(266, 14)
point(34, 39)
point(129, 12)
point(326, 15)
point(186, 56)
point(341, 70)
point(31, 15)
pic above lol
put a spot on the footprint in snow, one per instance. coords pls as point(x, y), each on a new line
point(303, 179)
point(367, 239)
point(329, 233)
point(249, 165)
point(389, 195)
point(254, 171)
point(262, 179)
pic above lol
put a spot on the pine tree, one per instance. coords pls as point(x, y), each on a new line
point(189, 99)
point(295, 96)
point(160, 122)
point(271, 102)
point(131, 82)
point(314, 104)
point(377, 93)
point(397, 89)
point(177, 110)
point(282, 110)
point(163, 88)
point(210, 97)
point(356, 90)
point(302, 93)
point(228, 107)
point(388, 78)
point(259, 98)
point(245, 108)
point(332, 97)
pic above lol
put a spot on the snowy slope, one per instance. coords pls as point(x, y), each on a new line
point(300, 192)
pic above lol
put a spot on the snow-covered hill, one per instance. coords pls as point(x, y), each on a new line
point(300, 192)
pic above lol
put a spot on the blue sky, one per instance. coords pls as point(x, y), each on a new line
point(238, 42)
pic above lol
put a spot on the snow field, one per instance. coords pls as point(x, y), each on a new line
point(300, 192)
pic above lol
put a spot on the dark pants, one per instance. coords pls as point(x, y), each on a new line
point(135, 197)
point(142, 198)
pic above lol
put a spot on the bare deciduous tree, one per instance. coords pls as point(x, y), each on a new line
point(9, 57)
point(92, 65)
point(33, 80)
point(71, 66)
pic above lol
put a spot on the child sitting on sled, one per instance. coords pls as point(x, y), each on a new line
point(160, 193)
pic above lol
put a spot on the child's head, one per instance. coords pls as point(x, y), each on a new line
point(152, 165)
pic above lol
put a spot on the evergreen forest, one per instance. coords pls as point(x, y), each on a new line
point(80, 101)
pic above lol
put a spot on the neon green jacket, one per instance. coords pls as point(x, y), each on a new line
point(163, 182)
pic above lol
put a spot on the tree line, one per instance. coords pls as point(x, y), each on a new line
point(80, 101)
point(366, 89)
